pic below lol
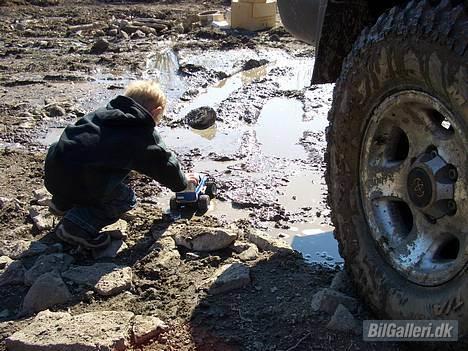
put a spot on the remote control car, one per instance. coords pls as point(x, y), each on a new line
point(198, 198)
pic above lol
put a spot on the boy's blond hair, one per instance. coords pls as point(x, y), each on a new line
point(147, 93)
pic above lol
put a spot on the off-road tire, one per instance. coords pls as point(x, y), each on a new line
point(203, 203)
point(211, 190)
point(423, 46)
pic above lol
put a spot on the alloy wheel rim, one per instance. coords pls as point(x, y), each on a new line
point(413, 173)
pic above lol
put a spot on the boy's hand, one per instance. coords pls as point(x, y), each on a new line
point(192, 178)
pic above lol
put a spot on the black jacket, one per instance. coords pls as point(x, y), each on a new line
point(99, 151)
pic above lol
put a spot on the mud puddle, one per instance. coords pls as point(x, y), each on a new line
point(280, 127)
point(315, 241)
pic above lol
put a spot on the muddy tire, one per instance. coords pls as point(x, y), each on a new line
point(211, 190)
point(203, 203)
point(173, 204)
point(400, 106)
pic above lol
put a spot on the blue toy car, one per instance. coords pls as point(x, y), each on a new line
point(198, 197)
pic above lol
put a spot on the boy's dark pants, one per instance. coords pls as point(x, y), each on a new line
point(93, 217)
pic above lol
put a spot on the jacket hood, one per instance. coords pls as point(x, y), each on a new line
point(126, 111)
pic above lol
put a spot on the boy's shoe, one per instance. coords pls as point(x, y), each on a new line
point(73, 234)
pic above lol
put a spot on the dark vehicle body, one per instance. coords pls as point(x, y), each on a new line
point(332, 26)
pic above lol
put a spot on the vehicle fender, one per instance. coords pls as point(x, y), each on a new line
point(303, 18)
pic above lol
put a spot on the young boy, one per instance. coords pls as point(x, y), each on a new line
point(84, 170)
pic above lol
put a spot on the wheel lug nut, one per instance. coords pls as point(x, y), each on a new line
point(452, 207)
point(453, 174)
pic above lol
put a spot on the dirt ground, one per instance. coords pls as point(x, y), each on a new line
point(50, 76)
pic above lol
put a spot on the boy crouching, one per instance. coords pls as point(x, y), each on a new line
point(85, 169)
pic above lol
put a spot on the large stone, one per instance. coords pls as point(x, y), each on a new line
point(11, 272)
point(205, 239)
point(47, 263)
point(343, 320)
point(105, 278)
point(201, 118)
point(17, 249)
point(104, 330)
point(42, 196)
point(42, 218)
point(48, 290)
point(267, 243)
point(146, 328)
point(250, 254)
point(229, 277)
point(327, 300)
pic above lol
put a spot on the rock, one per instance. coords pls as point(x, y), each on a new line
point(54, 110)
point(48, 263)
point(124, 34)
point(5, 261)
point(11, 272)
point(327, 300)
point(115, 248)
point(343, 320)
point(113, 32)
point(252, 63)
point(130, 29)
point(229, 277)
point(48, 290)
point(165, 243)
point(239, 247)
point(100, 46)
point(138, 35)
point(99, 33)
point(201, 118)
point(83, 27)
point(179, 28)
point(42, 197)
point(21, 248)
point(147, 30)
point(4, 201)
point(117, 230)
point(341, 282)
point(267, 243)
point(192, 256)
point(42, 218)
point(250, 254)
point(61, 331)
point(146, 328)
point(105, 278)
point(205, 239)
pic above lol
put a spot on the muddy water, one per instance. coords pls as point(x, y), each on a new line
point(222, 90)
point(280, 127)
